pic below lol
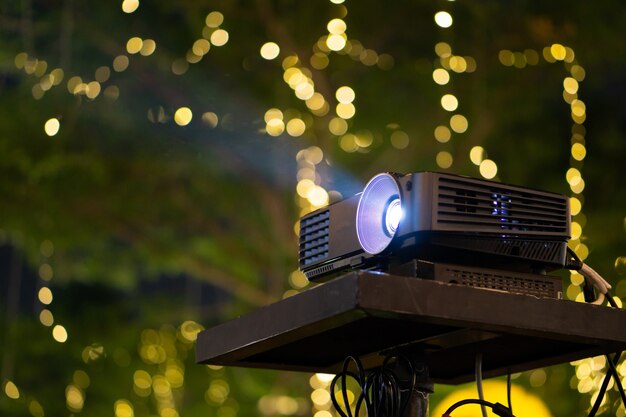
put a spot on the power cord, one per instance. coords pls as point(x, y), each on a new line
point(381, 391)
point(479, 382)
point(497, 408)
point(595, 280)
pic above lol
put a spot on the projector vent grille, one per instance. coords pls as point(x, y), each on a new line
point(545, 286)
point(488, 207)
point(314, 238)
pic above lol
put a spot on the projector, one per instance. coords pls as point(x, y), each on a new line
point(440, 219)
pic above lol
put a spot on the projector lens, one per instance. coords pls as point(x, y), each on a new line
point(393, 214)
point(379, 213)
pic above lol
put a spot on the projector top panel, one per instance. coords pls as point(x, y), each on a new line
point(368, 314)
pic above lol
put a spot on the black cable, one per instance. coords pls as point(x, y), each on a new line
point(381, 391)
point(602, 390)
point(611, 362)
point(497, 408)
point(573, 262)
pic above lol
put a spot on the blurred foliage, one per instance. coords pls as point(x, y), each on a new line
point(147, 224)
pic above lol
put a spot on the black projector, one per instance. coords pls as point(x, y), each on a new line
point(436, 218)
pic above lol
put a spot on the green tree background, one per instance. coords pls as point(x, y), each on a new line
point(146, 227)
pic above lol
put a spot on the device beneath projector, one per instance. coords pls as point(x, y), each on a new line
point(439, 218)
point(541, 286)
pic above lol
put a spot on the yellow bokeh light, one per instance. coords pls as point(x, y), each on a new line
point(46, 318)
point(305, 90)
point(337, 126)
point(273, 113)
point(201, 47)
point(313, 154)
point(219, 37)
point(458, 64)
point(148, 47)
point(290, 61)
point(506, 57)
point(579, 151)
point(298, 280)
point(364, 139)
point(449, 102)
point(348, 143)
point(558, 51)
point(275, 127)
point(134, 45)
point(45, 272)
point(443, 50)
point(93, 89)
point(458, 123)
point(59, 333)
point(320, 396)
point(74, 398)
point(129, 6)
point(369, 57)
point(10, 389)
point(335, 42)
point(345, 94)
point(444, 159)
point(443, 19)
point(323, 413)
point(573, 176)
point(102, 74)
point(45, 295)
point(399, 139)
point(270, 50)
point(35, 408)
point(442, 134)
point(210, 118)
point(532, 57)
point(57, 76)
point(582, 251)
point(441, 76)
point(578, 187)
point(304, 187)
point(578, 108)
point(319, 60)
point(576, 230)
point(183, 116)
point(214, 19)
point(192, 58)
point(336, 26)
point(318, 196)
point(575, 206)
point(570, 85)
point(120, 63)
point(315, 102)
point(345, 110)
point(123, 408)
point(488, 168)
point(112, 92)
point(52, 126)
point(577, 72)
point(296, 127)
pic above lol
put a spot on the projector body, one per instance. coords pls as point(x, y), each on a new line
point(443, 219)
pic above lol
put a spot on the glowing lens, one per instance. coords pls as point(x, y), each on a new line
point(393, 215)
point(379, 213)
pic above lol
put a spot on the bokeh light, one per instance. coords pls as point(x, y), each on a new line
point(270, 50)
point(443, 19)
point(183, 116)
point(52, 126)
